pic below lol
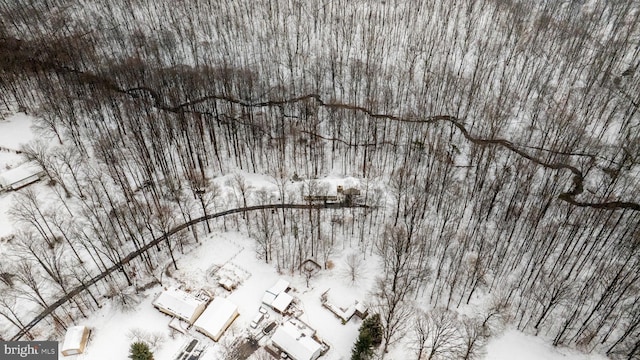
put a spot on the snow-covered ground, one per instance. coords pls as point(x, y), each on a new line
point(234, 251)
point(514, 344)
point(113, 328)
point(15, 130)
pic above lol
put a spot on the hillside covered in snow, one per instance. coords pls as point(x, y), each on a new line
point(466, 170)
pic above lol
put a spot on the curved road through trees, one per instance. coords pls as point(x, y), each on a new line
point(157, 241)
point(22, 56)
point(18, 52)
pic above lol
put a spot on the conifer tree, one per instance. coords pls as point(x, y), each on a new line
point(140, 351)
point(369, 338)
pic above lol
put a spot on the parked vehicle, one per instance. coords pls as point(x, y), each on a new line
point(256, 320)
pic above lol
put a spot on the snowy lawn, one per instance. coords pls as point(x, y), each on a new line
point(15, 130)
point(113, 328)
point(516, 345)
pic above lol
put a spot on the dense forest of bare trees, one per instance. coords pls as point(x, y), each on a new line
point(497, 141)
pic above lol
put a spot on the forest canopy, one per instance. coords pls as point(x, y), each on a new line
point(497, 140)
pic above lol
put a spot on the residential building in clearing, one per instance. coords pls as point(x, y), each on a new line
point(297, 341)
point(181, 304)
point(20, 176)
point(277, 296)
point(343, 306)
point(216, 318)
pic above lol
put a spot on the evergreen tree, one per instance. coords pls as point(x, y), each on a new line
point(140, 351)
point(369, 338)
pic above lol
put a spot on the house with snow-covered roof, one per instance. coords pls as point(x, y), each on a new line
point(277, 296)
point(296, 340)
point(343, 306)
point(216, 318)
point(181, 304)
point(282, 302)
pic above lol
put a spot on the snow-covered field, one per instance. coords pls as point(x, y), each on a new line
point(516, 345)
point(113, 327)
point(15, 130)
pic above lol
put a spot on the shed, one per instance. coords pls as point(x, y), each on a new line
point(296, 343)
point(216, 318)
point(227, 284)
point(180, 304)
point(75, 340)
point(20, 176)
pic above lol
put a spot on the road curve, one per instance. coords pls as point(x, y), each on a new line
point(46, 312)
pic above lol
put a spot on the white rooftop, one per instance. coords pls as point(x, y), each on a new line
point(282, 302)
point(268, 298)
point(279, 287)
point(216, 316)
point(179, 303)
point(342, 305)
point(73, 338)
point(19, 173)
point(276, 296)
point(295, 343)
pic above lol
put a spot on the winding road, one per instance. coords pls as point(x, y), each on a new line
point(155, 242)
point(569, 196)
point(28, 60)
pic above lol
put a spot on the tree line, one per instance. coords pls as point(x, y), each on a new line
point(147, 112)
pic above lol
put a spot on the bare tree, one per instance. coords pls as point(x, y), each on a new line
point(164, 220)
point(354, 267)
point(420, 333)
point(8, 301)
point(208, 200)
point(474, 339)
point(400, 278)
point(30, 211)
point(444, 338)
point(73, 161)
point(153, 339)
point(242, 186)
point(124, 297)
point(394, 313)
point(496, 314)
point(264, 230)
point(38, 152)
point(29, 276)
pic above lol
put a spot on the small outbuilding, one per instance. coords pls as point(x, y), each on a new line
point(216, 318)
point(20, 176)
point(180, 304)
point(297, 343)
point(75, 340)
point(277, 297)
